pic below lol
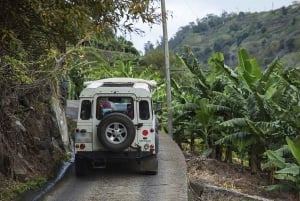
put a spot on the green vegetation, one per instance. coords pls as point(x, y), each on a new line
point(241, 112)
point(265, 35)
point(37, 32)
point(12, 191)
point(231, 106)
point(287, 171)
point(224, 105)
point(49, 48)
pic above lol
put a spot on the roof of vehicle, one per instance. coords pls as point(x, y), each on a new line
point(136, 82)
point(119, 85)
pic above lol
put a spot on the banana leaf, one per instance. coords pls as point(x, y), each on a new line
point(294, 149)
point(286, 177)
point(291, 170)
point(277, 160)
point(279, 187)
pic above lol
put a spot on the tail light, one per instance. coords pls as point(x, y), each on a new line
point(80, 146)
point(145, 132)
point(152, 149)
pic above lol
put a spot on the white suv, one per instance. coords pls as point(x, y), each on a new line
point(116, 121)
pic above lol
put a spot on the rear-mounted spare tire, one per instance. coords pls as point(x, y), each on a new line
point(116, 132)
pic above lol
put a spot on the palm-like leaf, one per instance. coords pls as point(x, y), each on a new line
point(276, 159)
point(293, 170)
point(275, 66)
point(190, 62)
point(294, 148)
point(235, 122)
point(219, 68)
point(255, 108)
point(233, 137)
point(249, 70)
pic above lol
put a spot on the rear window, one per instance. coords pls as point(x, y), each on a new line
point(106, 105)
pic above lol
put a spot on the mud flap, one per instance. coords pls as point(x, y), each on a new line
point(149, 165)
point(81, 166)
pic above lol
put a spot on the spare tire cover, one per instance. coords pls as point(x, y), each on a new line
point(116, 132)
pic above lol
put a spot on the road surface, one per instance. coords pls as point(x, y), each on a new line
point(122, 181)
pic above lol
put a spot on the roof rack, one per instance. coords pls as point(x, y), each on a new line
point(121, 81)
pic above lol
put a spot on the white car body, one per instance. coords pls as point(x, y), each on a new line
point(116, 120)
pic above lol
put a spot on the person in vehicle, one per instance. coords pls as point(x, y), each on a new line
point(129, 110)
point(103, 107)
point(106, 104)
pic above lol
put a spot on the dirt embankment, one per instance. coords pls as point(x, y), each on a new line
point(30, 142)
point(214, 180)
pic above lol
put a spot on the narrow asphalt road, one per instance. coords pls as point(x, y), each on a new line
point(122, 181)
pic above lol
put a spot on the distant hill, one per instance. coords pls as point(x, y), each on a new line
point(265, 35)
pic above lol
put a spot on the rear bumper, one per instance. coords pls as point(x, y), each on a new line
point(99, 155)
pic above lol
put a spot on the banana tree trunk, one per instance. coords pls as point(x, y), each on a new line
point(253, 160)
point(218, 152)
point(192, 143)
point(228, 155)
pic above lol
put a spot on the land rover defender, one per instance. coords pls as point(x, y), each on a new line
point(116, 120)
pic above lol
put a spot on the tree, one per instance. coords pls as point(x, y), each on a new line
point(39, 25)
point(238, 109)
point(34, 32)
point(198, 104)
point(148, 47)
point(39, 41)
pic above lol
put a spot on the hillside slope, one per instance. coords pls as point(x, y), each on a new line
point(266, 35)
point(31, 144)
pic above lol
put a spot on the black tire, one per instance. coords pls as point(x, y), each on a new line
point(116, 132)
point(81, 166)
point(156, 143)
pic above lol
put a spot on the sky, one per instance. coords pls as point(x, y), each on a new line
point(186, 11)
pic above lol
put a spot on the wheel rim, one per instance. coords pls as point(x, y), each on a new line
point(116, 133)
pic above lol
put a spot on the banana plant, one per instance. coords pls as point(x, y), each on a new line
point(198, 100)
point(287, 171)
point(255, 125)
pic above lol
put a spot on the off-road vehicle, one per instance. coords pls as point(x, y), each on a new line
point(116, 120)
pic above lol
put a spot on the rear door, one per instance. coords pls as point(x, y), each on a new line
point(84, 124)
point(145, 133)
point(112, 103)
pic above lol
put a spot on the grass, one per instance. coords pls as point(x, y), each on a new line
point(11, 192)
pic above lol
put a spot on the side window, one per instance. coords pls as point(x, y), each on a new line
point(86, 110)
point(144, 110)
